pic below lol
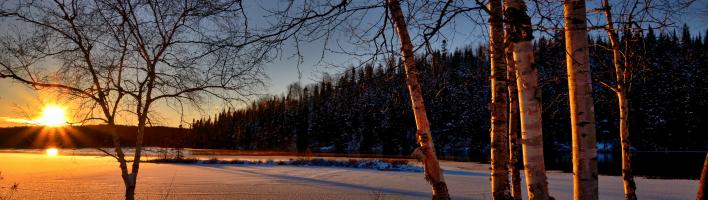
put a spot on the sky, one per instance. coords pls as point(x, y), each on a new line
point(18, 101)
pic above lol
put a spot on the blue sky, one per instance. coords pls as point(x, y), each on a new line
point(283, 71)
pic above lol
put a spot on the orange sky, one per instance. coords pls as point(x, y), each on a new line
point(20, 104)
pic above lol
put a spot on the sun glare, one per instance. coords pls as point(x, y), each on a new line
point(52, 116)
point(52, 151)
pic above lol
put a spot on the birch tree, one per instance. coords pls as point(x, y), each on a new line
point(499, 136)
point(126, 57)
point(319, 20)
point(426, 151)
point(60, 35)
point(582, 113)
point(520, 35)
point(620, 88)
point(630, 19)
point(513, 121)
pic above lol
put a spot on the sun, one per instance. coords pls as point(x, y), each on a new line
point(52, 115)
point(52, 151)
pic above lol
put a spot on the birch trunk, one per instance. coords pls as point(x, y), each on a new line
point(621, 92)
point(513, 122)
point(130, 179)
point(627, 176)
point(520, 33)
point(531, 127)
point(513, 116)
point(133, 176)
point(702, 186)
point(122, 163)
point(499, 124)
point(426, 151)
point(120, 156)
point(582, 113)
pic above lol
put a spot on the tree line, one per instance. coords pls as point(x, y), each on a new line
point(88, 136)
point(365, 110)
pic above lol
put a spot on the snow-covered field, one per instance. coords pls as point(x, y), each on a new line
point(88, 177)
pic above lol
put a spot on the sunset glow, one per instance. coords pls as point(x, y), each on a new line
point(52, 151)
point(52, 115)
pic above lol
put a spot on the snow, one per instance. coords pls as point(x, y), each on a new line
point(90, 177)
point(604, 147)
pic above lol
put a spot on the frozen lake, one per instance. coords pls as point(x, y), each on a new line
point(89, 177)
